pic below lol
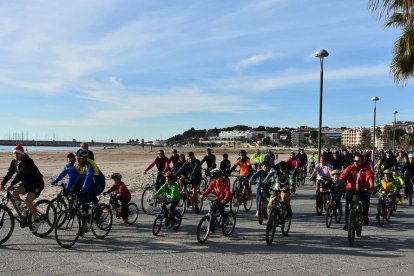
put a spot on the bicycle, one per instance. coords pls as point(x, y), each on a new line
point(45, 211)
point(385, 207)
point(311, 167)
point(133, 211)
point(61, 200)
point(205, 180)
point(148, 205)
point(321, 200)
point(73, 223)
point(240, 195)
point(278, 216)
point(187, 199)
point(263, 200)
point(332, 211)
point(213, 219)
point(355, 219)
point(158, 221)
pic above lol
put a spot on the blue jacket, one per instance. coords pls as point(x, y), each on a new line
point(65, 171)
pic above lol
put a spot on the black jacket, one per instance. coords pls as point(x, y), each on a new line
point(26, 171)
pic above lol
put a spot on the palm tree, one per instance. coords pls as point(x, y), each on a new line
point(399, 13)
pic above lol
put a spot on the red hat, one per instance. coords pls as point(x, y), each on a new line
point(19, 149)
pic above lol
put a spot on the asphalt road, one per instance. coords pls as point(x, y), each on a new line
point(309, 249)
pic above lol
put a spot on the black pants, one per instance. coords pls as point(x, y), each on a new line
point(160, 180)
point(124, 207)
point(220, 207)
point(169, 213)
point(364, 196)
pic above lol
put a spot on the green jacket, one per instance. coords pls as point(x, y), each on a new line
point(171, 191)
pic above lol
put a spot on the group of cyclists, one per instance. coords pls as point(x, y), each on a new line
point(338, 173)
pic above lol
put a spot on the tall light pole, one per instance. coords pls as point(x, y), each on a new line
point(322, 53)
point(395, 123)
point(374, 99)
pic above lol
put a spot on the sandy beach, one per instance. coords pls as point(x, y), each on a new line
point(130, 161)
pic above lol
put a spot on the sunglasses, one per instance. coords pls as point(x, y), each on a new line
point(357, 161)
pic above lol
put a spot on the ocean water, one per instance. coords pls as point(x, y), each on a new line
point(43, 148)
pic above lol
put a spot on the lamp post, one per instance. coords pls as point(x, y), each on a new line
point(374, 99)
point(395, 123)
point(322, 53)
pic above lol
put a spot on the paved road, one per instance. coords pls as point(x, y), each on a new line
point(310, 249)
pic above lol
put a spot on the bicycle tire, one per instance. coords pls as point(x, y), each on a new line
point(359, 221)
point(103, 225)
point(178, 219)
point(329, 216)
point(47, 215)
point(203, 185)
point(271, 227)
point(182, 205)
point(133, 213)
point(60, 205)
point(351, 228)
point(285, 226)
point(156, 226)
point(229, 227)
point(319, 204)
point(5, 216)
point(338, 213)
point(203, 229)
point(388, 213)
point(148, 205)
point(235, 201)
point(70, 227)
point(261, 210)
point(248, 204)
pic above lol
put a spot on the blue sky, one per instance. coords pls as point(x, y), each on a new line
point(109, 69)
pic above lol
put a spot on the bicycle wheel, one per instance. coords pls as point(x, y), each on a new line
point(200, 203)
point(182, 205)
point(388, 210)
point(67, 233)
point(338, 213)
point(351, 228)
point(235, 200)
point(177, 220)
point(381, 215)
point(325, 201)
point(286, 223)
point(203, 229)
point(248, 204)
point(319, 204)
point(262, 206)
point(6, 223)
point(148, 204)
point(60, 205)
point(271, 227)
point(329, 216)
point(358, 221)
point(47, 216)
point(102, 225)
point(228, 227)
point(203, 185)
point(156, 226)
point(133, 213)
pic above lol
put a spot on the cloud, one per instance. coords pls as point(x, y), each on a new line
point(252, 61)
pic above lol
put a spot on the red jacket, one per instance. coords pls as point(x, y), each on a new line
point(350, 175)
point(122, 189)
point(222, 192)
point(295, 163)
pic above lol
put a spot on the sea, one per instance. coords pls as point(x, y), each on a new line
point(44, 148)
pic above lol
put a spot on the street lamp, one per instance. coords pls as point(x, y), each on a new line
point(374, 99)
point(395, 123)
point(322, 53)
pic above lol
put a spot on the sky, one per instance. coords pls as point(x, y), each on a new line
point(131, 69)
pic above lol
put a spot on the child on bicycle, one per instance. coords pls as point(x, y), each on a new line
point(122, 194)
point(260, 176)
point(335, 187)
point(387, 185)
point(221, 190)
point(283, 185)
point(172, 194)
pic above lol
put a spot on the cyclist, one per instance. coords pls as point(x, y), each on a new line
point(335, 187)
point(179, 164)
point(210, 160)
point(85, 146)
point(387, 185)
point(86, 178)
point(408, 172)
point(172, 194)
point(257, 159)
point(66, 169)
point(323, 175)
point(302, 157)
point(270, 157)
point(359, 181)
point(295, 164)
point(174, 159)
point(346, 159)
point(336, 162)
point(399, 181)
point(386, 162)
point(259, 176)
point(225, 166)
point(283, 184)
point(162, 163)
point(122, 194)
point(192, 169)
point(221, 190)
point(312, 162)
point(245, 171)
point(30, 179)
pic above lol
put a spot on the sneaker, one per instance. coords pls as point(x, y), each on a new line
point(35, 226)
point(257, 214)
point(345, 227)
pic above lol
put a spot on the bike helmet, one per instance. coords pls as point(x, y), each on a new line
point(243, 152)
point(410, 155)
point(387, 172)
point(82, 153)
point(334, 172)
point(216, 172)
point(116, 176)
point(169, 174)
